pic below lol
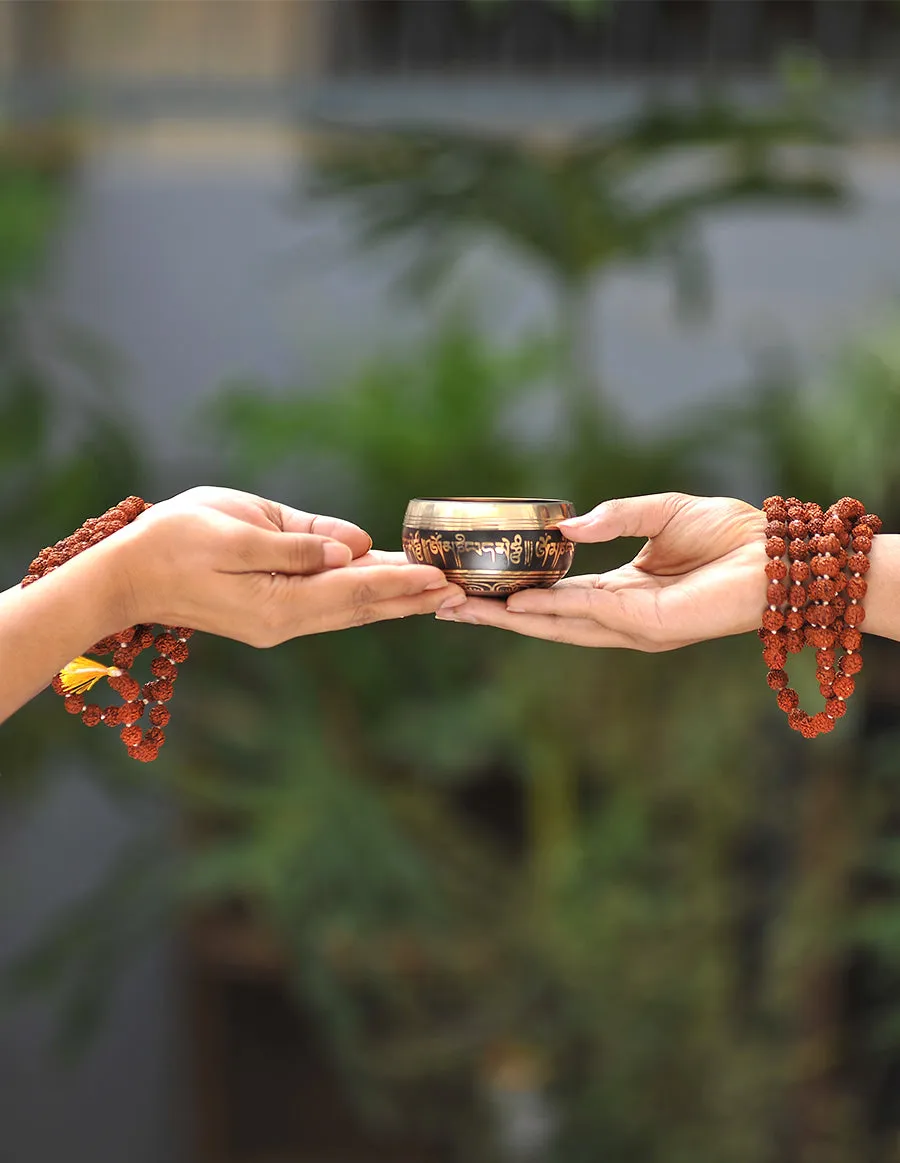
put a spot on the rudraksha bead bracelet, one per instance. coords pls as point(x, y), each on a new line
point(816, 584)
point(80, 676)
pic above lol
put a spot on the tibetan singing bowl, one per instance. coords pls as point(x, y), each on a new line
point(491, 546)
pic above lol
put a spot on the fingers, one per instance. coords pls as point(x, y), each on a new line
point(355, 596)
point(382, 557)
point(296, 521)
point(574, 631)
point(625, 517)
point(259, 551)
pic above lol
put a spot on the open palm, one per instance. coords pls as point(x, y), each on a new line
point(700, 574)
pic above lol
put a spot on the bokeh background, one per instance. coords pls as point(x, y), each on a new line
point(426, 893)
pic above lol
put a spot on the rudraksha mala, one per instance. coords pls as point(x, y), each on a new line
point(76, 679)
point(817, 567)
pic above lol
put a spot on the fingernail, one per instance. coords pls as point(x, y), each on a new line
point(437, 585)
point(335, 554)
point(453, 600)
point(444, 615)
point(574, 522)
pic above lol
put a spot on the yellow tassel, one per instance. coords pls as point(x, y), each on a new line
point(78, 676)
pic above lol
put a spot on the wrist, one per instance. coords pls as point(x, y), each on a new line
point(883, 581)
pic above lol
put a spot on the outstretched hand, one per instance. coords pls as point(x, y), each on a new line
point(700, 574)
point(239, 565)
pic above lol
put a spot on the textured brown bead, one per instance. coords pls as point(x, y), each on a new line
point(851, 639)
point(826, 657)
point(90, 716)
point(862, 544)
point(775, 546)
point(829, 543)
point(105, 645)
point(775, 655)
point(156, 736)
point(858, 563)
point(794, 640)
point(131, 735)
point(833, 524)
point(788, 699)
point(844, 686)
point(772, 620)
point(143, 638)
point(797, 550)
point(821, 590)
point(808, 728)
point(826, 690)
point(856, 588)
point(822, 565)
point(159, 716)
point(112, 716)
point(777, 679)
point(799, 571)
point(165, 643)
point(775, 509)
point(163, 668)
point(854, 615)
point(776, 529)
point(819, 638)
point(131, 712)
point(822, 723)
point(836, 708)
point(162, 689)
point(184, 632)
point(776, 595)
point(851, 664)
point(125, 657)
point(776, 570)
point(849, 509)
point(873, 522)
point(797, 718)
point(74, 704)
point(795, 619)
point(797, 528)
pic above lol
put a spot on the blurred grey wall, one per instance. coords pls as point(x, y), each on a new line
point(190, 258)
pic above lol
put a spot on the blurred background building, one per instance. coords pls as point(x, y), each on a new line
point(190, 247)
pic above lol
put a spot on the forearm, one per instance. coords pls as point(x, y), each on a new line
point(47, 624)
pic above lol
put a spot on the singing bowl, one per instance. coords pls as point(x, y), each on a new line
point(490, 546)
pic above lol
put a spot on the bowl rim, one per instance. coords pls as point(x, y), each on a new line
point(495, 500)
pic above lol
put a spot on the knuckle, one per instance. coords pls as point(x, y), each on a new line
point(305, 555)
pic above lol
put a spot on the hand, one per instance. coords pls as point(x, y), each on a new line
point(700, 574)
point(238, 565)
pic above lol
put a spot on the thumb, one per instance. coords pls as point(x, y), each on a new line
point(259, 550)
point(624, 517)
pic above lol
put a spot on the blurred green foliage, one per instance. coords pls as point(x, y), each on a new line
point(610, 882)
point(575, 205)
point(65, 450)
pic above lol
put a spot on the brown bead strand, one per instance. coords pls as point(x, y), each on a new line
point(822, 607)
point(125, 647)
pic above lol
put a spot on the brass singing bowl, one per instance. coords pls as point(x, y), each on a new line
point(490, 546)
